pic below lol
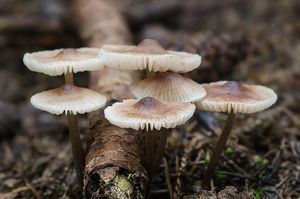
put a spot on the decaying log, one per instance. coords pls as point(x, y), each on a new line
point(114, 162)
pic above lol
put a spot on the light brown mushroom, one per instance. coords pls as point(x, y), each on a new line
point(150, 115)
point(168, 86)
point(148, 55)
point(68, 99)
point(232, 97)
point(62, 61)
point(71, 100)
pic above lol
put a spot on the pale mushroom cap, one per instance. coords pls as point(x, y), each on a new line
point(168, 86)
point(148, 113)
point(148, 55)
point(61, 61)
point(223, 96)
point(68, 99)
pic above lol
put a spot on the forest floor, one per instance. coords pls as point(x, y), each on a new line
point(250, 41)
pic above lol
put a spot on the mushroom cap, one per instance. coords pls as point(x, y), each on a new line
point(148, 55)
point(68, 99)
point(61, 61)
point(168, 86)
point(148, 113)
point(223, 96)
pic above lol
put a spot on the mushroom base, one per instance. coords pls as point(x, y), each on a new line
point(77, 148)
point(218, 150)
point(155, 144)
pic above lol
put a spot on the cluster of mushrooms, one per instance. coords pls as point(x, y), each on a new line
point(164, 100)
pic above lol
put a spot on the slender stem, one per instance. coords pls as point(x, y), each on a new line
point(69, 78)
point(163, 135)
point(150, 145)
point(150, 73)
point(218, 150)
point(77, 148)
point(155, 144)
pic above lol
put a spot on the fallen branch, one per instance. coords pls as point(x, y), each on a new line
point(114, 166)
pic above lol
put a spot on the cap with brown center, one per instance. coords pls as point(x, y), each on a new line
point(224, 96)
point(68, 99)
point(61, 61)
point(150, 55)
point(168, 86)
point(148, 113)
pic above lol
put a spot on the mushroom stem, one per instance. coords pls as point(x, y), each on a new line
point(151, 146)
point(69, 78)
point(77, 148)
point(150, 73)
point(218, 150)
point(163, 135)
point(155, 142)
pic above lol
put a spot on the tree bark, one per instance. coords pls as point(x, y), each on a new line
point(114, 161)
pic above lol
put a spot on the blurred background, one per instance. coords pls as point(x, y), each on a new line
point(249, 40)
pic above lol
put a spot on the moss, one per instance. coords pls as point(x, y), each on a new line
point(258, 192)
point(228, 151)
point(260, 161)
point(124, 184)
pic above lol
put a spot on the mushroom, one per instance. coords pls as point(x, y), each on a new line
point(62, 61)
point(148, 55)
point(151, 116)
point(232, 97)
point(168, 86)
point(68, 99)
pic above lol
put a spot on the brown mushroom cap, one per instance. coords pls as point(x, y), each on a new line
point(148, 55)
point(168, 86)
point(68, 99)
point(148, 113)
point(61, 61)
point(223, 96)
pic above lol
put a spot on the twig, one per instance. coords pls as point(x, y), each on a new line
point(181, 168)
point(167, 176)
point(244, 176)
point(33, 190)
point(194, 166)
point(294, 118)
point(275, 165)
point(272, 189)
point(13, 193)
point(237, 166)
point(278, 185)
